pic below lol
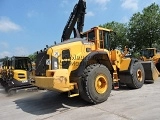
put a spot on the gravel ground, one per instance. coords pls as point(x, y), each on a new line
point(123, 104)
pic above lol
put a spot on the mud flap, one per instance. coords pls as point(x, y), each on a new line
point(151, 72)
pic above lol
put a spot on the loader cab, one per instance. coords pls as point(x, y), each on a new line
point(16, 75)
point(89, 35)
point(148, 52)
point(6, 64)
point(17, 63)
point(102, 37)
point(22, 63)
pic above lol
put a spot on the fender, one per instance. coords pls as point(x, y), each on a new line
point(100, 57)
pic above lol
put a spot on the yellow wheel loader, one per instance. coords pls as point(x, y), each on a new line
point(151, 58)
point(0, 72)
point(15, 74)
point(151, 54)
point(87, 64)
point(87, 67)
point(1, 64)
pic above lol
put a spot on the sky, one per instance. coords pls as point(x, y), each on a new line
point(27, 26)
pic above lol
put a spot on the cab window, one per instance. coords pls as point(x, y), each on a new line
point(90, 36)
point(104, 39)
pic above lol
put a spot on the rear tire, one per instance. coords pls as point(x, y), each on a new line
point(12, 92)
point(138, 76)
point(158, 65)
point(149, 81)
point(95, 84)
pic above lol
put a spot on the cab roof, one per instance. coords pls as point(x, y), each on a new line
point(100, 28)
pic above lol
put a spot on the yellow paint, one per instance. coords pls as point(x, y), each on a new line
point(116, 58)
point(60, 81)
point(17, 74)
point(155, 59)
point(101, 84)
point(125, 64)
point(155, 73)
point(20, 75)
point(139, 75)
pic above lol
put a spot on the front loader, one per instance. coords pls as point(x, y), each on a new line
point(1, 64)
point(87, 64)
point(151, 59)
point(0, 72)
point(15, 74)
point(151, 54)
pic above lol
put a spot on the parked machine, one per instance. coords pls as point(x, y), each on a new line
point(1, 67)
point(15, 74)
point(86, 65)
point(0, 72)
point(150, 54)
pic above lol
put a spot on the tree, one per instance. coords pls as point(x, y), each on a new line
point(32, 57)
point(144, 28)
point(121, 33)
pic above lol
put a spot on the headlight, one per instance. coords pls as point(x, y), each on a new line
point(55, 64)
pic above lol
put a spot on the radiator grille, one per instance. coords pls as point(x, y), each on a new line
point(41, 66)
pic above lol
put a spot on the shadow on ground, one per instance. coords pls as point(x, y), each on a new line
point(49, 102)
point(124, 87)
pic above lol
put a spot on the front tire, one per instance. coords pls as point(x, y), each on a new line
point(158, 65)
point(12, 92)
point(138, 76)
point(95, 84)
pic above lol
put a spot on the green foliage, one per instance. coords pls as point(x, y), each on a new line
point(136, 55)
point(121, 33)
point(32, 57)
point(144, 28)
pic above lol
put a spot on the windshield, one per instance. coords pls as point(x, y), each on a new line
point(147, 53)
point(89, 35)
point(23, 64)
point(6, 64)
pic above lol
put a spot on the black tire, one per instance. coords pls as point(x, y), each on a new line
point(88, 81)
point(137, 76)
point(158, 65)
point(149, 81)
point(1, 80)
point(7, 88)
point(12, 92)
point(3, 83)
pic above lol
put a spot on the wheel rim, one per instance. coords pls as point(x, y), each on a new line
point(139, 75)
point(101, 84)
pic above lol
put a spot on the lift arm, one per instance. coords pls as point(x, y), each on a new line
point(76, 16)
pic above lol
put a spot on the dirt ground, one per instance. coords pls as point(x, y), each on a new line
point(123, 104)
